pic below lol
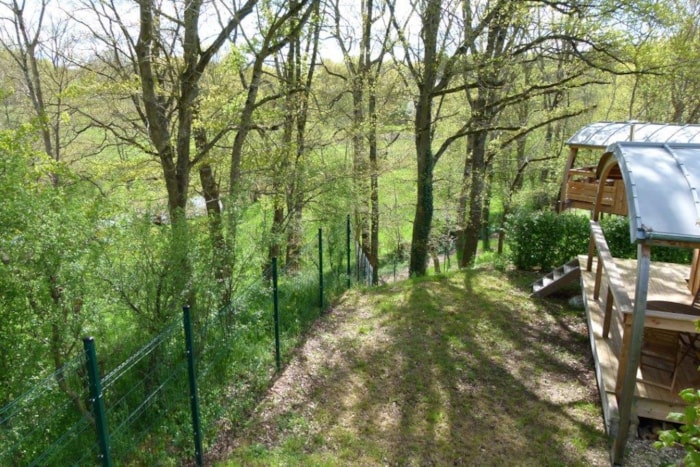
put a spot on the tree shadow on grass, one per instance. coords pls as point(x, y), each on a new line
point(466, 377)
point(457, 370)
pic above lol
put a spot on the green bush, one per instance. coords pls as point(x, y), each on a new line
point(617, 234)
point(545, 239)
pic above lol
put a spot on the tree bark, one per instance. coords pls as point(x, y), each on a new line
point(423, 124)
point(476, 193)
point(374, 186)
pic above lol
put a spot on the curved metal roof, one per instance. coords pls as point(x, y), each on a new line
point(602, 134)
point(661, 184)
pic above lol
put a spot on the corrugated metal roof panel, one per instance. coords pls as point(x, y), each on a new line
point(603, 134)
point(661, 183)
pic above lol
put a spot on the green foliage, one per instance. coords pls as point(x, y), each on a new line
point(48, 294)
point(688, 434)
point(46, 244)
point(617, 234)
point(545, 239)
point(123, 268)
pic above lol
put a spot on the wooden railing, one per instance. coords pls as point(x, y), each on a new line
point(582, 188)
point(659, 314)
point(617, 292)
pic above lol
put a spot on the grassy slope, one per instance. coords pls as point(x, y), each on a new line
point(463, 368)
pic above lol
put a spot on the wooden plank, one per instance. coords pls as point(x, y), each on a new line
point(619, 198)
point(598, 280)
point(655, 409)
point(601, 354)
point(564, 189)
point(670, 321)
point(624, 354)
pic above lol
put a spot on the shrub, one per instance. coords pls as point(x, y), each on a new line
point(688, 434)
point(544, 239)
point(617, 234)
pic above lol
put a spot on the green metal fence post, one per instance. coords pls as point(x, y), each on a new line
point(320, 266)
point(97, 401)
point(275, 300)
point(194, 402)
point(347, 247)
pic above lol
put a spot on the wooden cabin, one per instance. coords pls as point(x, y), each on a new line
point(586, 147)
point(642, 314)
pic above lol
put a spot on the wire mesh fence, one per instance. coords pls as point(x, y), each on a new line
point(53, 408)
point(148, 403)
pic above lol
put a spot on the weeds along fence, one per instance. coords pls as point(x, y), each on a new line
point(199, 376)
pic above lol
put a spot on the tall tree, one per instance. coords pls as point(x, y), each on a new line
point(301, 63)
point(40, 47)
point(666, 87)
point(363, 66)
point(40, 265)
point(282, 29)
point(423, 70)
point(170, 55)
point(165, 51)
point(502, 41)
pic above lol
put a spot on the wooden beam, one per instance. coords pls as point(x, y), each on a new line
point(694, 282)
point(562, 191)
point(608, 314)
point(670, 321)
point(598, 280)
point(623, 355)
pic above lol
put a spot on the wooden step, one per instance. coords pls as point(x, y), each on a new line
point(557, 279)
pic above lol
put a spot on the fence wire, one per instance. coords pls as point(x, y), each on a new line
point(146, 395)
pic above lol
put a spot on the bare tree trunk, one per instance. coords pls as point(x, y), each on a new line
point(27, 52)
point(486, 214)
point(436, 260)
point(212, 200)
point(476, 196)
point(425, 161)
point(276, 231)
point(299, 78)
point(363, 73)
point(374, 184)
point(244, 127)
point(360, 171)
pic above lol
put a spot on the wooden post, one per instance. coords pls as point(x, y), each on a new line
point(598, 279)
point(623, 357)
point(604, 172)
point(564, 185)
point(608, 312)
point(694, 282)
point(591, 253)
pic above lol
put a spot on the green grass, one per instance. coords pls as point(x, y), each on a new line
point(456, 368)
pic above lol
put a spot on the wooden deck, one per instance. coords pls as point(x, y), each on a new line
point(668, 282)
